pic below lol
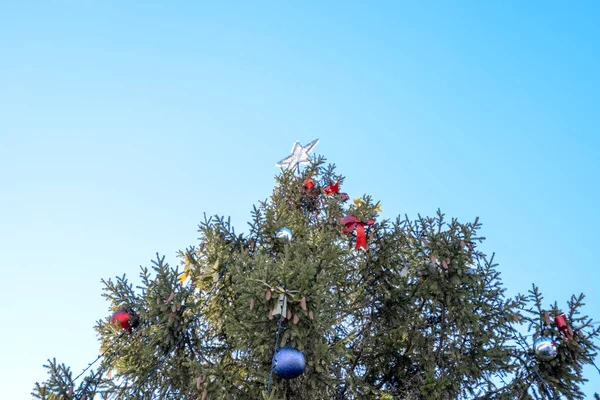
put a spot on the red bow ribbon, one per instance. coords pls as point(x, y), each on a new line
point(332, 189)
point(563, 327)
point(351, 223)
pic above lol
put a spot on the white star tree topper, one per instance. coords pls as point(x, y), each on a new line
point(299, 155)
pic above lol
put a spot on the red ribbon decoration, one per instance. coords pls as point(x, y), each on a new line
point(351, 223)
point(563, 327)
point(332, 189)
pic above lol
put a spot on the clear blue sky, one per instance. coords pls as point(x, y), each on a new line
point(121, 123)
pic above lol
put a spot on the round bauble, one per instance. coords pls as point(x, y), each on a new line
point(284, 235)
point(309, 183)
point(288, 362)
point(545, 349)
point(124, 320)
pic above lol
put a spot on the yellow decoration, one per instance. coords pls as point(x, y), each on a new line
point(359, 202)
point(183, 277)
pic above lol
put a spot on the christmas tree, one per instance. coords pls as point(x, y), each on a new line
point(323, 299)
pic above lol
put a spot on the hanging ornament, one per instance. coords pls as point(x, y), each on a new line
point(563, 327)
point(309, 183)
point(332, 189)
point(545, 349)
point(284, 235)
point(344, 196)
point(299, 155)
point(124, 320)
point(184, 275)
point(288, 362)
point(359, 202)
point(352, 223)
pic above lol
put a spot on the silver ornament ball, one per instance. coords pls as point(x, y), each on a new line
point(284, 235)
point(545, 349)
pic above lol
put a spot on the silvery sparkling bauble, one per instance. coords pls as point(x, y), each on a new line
point(284, 235)
point(545, 349)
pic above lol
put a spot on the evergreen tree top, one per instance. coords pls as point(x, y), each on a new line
point(381, 309)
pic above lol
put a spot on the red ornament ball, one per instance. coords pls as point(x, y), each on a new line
point(309, 183)
point(123, 319)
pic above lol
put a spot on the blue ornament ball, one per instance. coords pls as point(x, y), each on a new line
point(288, 362)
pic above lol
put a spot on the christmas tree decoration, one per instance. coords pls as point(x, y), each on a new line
point(359, 202)
point(284, 235)
point(344, 196)
point(124, 320)
point(352, 223)
point(299, 155)
point(331, 189)
point(309, 183)
point(288, 362)
point(563, 327)
point(184, 275)
point(281, 305)
point(545, 349)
